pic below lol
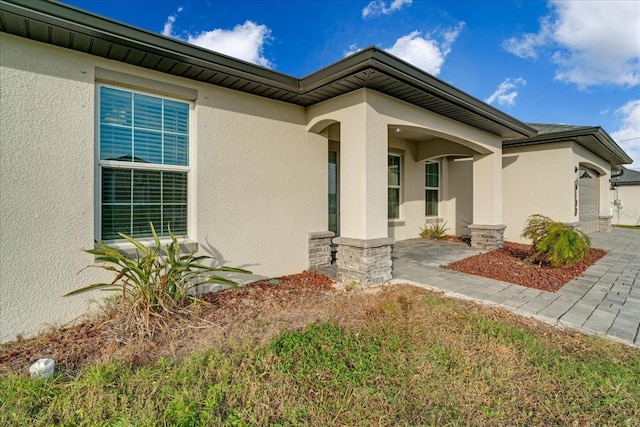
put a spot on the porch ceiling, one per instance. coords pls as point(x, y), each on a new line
point(61, 25)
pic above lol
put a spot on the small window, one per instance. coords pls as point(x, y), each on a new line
point(431, 188)
point(143, 164)
point(394, 183)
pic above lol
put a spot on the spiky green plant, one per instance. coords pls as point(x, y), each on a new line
point(554, 242)
point(434, 231)
point(154, 283)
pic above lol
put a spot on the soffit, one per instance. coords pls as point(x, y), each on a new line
point(71, 28)
point(594, 139)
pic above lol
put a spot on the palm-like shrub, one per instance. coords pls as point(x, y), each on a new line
point(434, 231)
point(554, 242)
point(152, 283)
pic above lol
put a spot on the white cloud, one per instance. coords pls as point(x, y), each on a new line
point(379, 7)
point(527, 45)
point(628, 136)
point(244, 41)
point(506, 92)
point(168, 26)
point(425, 52)
point(590, 42)
point(353, 48)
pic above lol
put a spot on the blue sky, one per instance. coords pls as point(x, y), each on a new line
point(571, 62)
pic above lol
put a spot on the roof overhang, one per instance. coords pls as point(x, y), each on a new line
point(61, 25)
point(594, 139)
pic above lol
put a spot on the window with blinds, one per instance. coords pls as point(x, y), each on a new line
point(431, 188)
point(143, 164)
point(393, 186)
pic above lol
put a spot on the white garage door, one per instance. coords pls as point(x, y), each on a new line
point(588, 200)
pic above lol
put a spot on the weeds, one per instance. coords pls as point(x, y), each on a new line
point(155, 285)
point(416, 359)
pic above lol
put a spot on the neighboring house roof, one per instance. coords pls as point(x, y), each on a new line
point(372, 68)
point(593, 138)
point(626, 177)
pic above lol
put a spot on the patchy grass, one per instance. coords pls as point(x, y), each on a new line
point(400, 356)
point(630, 227)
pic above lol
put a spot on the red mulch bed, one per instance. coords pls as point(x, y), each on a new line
point(276, 291)
point(508, 264)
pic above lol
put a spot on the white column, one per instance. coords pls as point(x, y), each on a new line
point(363, 176)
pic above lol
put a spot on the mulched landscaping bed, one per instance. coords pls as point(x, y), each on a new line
point(270, 291)
point(508, 264)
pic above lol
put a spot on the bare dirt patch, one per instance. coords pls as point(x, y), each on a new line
point(509, 265)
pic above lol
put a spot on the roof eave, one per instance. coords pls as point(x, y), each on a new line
point(616, 156)
point(67, 21)
point(73, 19)
point(375, 58)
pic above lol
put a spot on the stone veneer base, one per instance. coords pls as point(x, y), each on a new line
point(604, 223)
point(367, 262)
point(487, 237)
point(320, 249)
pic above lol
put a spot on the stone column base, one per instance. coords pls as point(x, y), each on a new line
point(320, 249)
point(604, 223)
point(488, 237)
point(367, 262)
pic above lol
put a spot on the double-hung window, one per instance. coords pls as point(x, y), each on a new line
point(394, 186)
point(143, 164)
point(431, 188)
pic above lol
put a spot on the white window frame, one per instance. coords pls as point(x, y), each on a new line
point(398, 186)
point(100, 164)
point(438, 188)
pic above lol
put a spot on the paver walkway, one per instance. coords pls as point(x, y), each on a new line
point(605, 300)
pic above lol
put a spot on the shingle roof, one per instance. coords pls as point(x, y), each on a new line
point(547, 128)
point(593, 138)
point(627, 177)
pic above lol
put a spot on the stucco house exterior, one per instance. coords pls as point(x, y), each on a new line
point(105, 127)
point(564, 172)
point(625, 189)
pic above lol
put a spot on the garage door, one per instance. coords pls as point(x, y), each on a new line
point(588, 200)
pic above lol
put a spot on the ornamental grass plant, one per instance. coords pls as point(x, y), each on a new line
point(154, 284)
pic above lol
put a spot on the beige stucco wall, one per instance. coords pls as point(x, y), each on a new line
point(540, 179)
point(537, 179)
point(261, 180)
point(459, 202)
point(629, 211)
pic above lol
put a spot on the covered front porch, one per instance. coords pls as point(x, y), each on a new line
point(394, 167)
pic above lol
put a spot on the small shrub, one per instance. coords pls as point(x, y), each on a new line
point(554, 242)
point(155, 284)
point(434, 231)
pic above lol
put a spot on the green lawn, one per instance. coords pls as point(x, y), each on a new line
point(630, 227)
point(417, 359)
